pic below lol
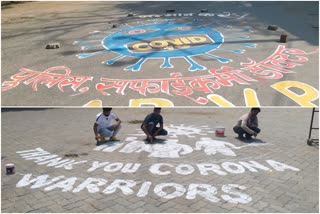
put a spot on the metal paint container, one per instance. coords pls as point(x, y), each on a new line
point(10, 168)
point(220, 131)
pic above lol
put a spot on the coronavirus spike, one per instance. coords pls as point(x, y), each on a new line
point(194, 66)
point(79, 42)
point(112, 61)
point(220, 59)
point(90, 47)
point(136, 66)
point(166, 63)
point(238, 51)
point(86, 55)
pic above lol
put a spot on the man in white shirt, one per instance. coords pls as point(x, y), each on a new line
point(103, 126)
point(248, 124)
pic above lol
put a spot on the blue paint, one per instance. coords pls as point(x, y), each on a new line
point(136, 42)
point(118, 42)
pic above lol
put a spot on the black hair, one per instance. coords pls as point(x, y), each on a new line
point(157, 108)
point(256, 109)
point(107, 109)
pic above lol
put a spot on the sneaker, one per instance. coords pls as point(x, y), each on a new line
point(114, 139)
point(240, 137)
point(248, 137)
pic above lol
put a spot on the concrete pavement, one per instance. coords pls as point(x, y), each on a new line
point(60, 169)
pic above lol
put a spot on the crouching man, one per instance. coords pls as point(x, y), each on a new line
point(248, 125)
point(104, 126)
point(149, 125)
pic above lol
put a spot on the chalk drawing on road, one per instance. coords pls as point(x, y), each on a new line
point(169, 149)
point(175, 131)
point(167, 40)
point(211, 146)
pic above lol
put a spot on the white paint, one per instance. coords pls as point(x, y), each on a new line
point(179, 190)
point(109, 147)
point(211, 147)
point(65, 185)
point(182, 130)
point(144, 190)
point(96, 165)
point(69, 165)
point(205, 190)
point(38, 181)
point(123, 185)
point(184, 169)
point(281, 166)
point(113, 167)
point(42, 158)
point(91, 184)
point(34, 154)
point(233, 167)
point(170, 149)
point(54, 162)
point(243, 198)
point(131, 168)
point(31, 150)
point(163, 190)
point(204, 168)
point(155, 169)
point(252, 165)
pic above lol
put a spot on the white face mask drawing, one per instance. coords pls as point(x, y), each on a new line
point(211, 147)
point(170, 149)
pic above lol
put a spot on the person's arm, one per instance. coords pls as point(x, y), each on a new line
point(117, 123)
point(95, 129)
point(144, 128)
point(246, 128)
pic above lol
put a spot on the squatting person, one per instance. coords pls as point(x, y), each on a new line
point(104, 126)
point(248, 125)
point(149, 125)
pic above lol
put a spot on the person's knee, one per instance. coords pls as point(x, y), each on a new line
point(236, 129)
point(257, 130)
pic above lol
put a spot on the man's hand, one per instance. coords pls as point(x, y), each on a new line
point(97, 137)
point(255, 134)
point(150, 137)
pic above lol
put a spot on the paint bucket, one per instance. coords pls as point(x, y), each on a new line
point(220, 131)
point(10, 169)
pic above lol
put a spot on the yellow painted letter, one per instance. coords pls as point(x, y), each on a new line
point(219, 100)
point(250, 96)
point(152, 101)
point(310, 93)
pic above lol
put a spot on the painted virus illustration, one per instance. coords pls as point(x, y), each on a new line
point(166, 40)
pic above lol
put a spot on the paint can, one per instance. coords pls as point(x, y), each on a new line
point(10, 169)
point(220, 131)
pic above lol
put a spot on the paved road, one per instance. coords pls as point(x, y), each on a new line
point(177, 63)
point(190, 170)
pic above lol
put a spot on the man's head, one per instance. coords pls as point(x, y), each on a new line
point(157, 110)
point(255, 111)
point(106, 111)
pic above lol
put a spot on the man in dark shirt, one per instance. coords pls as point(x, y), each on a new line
point(149, 125)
